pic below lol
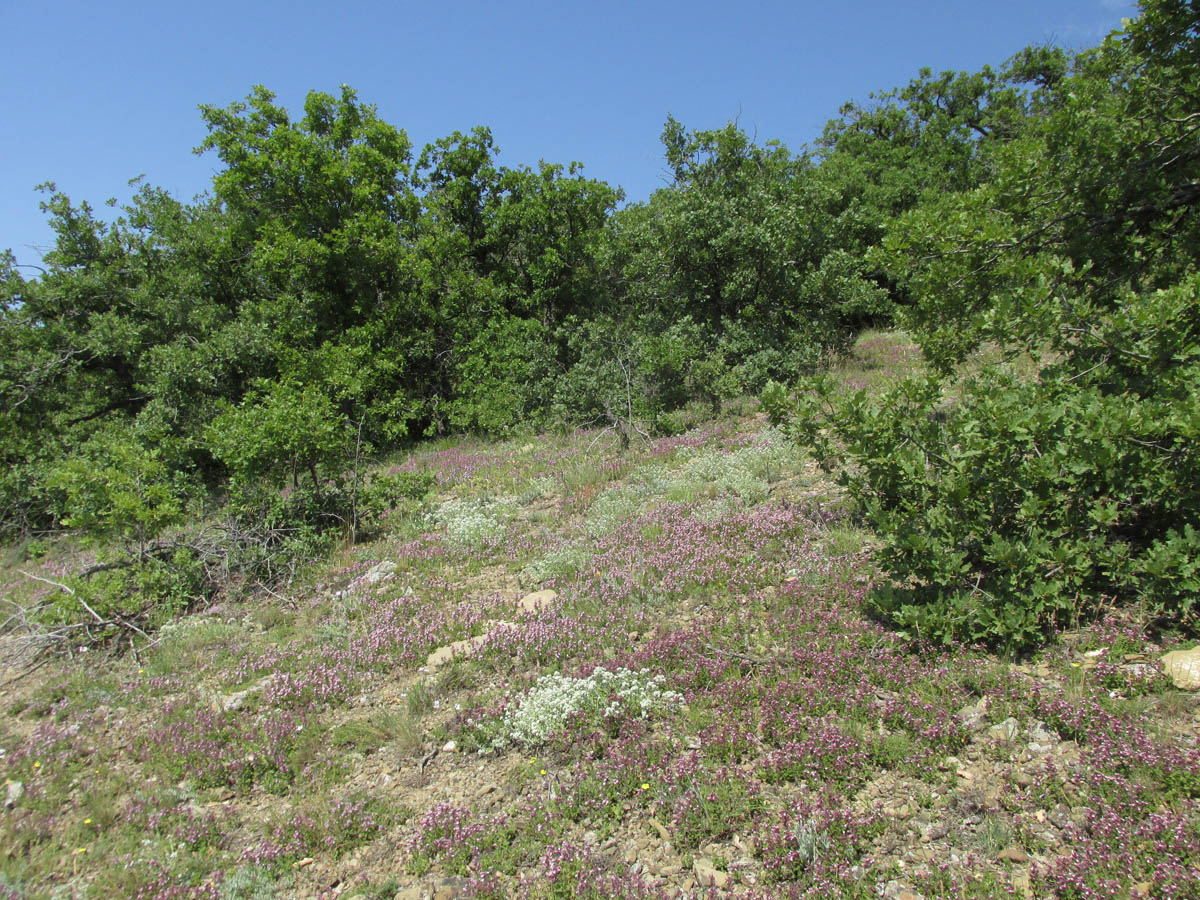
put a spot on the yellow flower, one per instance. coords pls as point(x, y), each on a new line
point(645, 786)
point(79, 850)
point(87, 821)
point(38, 764)
point(543, 771)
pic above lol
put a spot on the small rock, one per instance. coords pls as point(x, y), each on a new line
point(708, 875)
point(1022, 779)
point(236, 700)
point(1006, 730)
point(1040, 734)
point(465, 647)
point(662, 832)
point(230, 702)
point(894, 890)
point(1183, 668)
point(933, 832)
point(450, 747)
point(15, 790)
point(449, 888)
point(1023, 885)
point(972, 716)
point(1013, 854)
point(591, 838)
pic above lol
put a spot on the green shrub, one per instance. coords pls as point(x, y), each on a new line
point(1021, 506)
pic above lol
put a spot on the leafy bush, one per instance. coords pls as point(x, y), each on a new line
point(504, 376)
point(381, 495)
point(112, 488)
point(285, 430)
point(1021, 506)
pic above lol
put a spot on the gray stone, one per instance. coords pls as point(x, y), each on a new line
point(1040, 734)
point(236, 700)
point(14, 791)
point(377, 573)
point(1006, 730)
point(895, 890)
point(972, 716)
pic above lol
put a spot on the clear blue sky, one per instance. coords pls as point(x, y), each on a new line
point(97, 93)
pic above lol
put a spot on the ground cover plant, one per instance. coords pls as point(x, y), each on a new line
point(697, 705)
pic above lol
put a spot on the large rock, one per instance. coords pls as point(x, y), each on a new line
point(378, 573)
point(236, 700)
point(1183, 668)
point(536, 601)
point(708, 875)
point(465, 647)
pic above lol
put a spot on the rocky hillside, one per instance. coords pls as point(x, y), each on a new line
point(574, 670)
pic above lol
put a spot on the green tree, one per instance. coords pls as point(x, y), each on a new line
point(1024, 502)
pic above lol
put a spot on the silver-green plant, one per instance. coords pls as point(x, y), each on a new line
point(556, 698)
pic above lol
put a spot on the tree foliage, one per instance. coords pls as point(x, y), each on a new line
point(1009, 504)
point(340, 291)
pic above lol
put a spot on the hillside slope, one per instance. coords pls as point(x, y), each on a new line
point(577, 671)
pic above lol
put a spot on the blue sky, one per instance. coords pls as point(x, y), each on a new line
point(97, 93)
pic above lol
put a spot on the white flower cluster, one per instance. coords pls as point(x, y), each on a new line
point(555, 698)
point(474, 522)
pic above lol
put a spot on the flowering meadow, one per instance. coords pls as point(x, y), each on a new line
point(578, 671)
